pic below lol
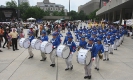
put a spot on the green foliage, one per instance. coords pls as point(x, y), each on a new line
point(23, 7)
point(34, 11)
point(92, 15)
point(56, 13)
point(12, 4)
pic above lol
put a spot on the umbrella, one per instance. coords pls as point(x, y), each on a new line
point(31, 19)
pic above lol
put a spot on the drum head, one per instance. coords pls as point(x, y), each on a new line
point(21, 42)
point(33, 43)
point(88, 58)
point(60, 49)
point(43, 44)
point(81, 58)
point(38, 44)
point(26, 43)
point(48, 48)
point(66, 52)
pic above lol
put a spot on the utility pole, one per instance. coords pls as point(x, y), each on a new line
point(69, 9)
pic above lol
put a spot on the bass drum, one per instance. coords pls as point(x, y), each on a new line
point(35, 44)
point(24, 43)
point(46, 47)
point(84, 57)
point(63, 51)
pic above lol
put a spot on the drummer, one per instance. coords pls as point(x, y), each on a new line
point(31, 37)
point(66, 37)
point(44, 37)
point(108, 41)
point(82, 43)
point(78, 36)
point(92, 47)
point(72, 47)
point(55, 43)
point(99, 52)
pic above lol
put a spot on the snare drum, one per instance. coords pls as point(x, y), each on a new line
point(46, 47)
point(63, 51)
point(35, 44)
point(84, 56)
point(24, 43)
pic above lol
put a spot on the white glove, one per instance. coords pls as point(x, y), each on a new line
point(93, 59)
point(72, 52)
point(54, 46)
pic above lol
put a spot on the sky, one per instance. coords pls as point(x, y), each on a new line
point(74, 3)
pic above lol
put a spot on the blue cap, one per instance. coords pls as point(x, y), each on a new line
point(108, 34)
point(54, 34)
point(98, 39)
point(91, 39)
point(83, 37)
point(80, 32)
point(69, 33)
point(43, 32)
point(70, 37)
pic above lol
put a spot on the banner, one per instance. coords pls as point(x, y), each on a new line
point(7, 13)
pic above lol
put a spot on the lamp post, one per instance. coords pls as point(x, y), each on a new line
point(69, 9)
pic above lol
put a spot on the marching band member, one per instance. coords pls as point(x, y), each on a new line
point(43, 38)
point(66, 37)
point(99, 51)
point(55, 43)
point(31, 37)
point(95, 38)
point(78, 36)
point(72, 47)
point(107, 44)
point(90, 46)
point(82, 43)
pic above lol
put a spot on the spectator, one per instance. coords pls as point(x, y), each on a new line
point(14, 36)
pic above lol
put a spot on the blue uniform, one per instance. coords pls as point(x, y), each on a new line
point(65, 40)
point(31, 38)
point(92, 49)
point(99, 47)
point(78, 37)
point(44, 38)
point(108, 41)
point(71, 45)
point(82, 44)
point(55, 42)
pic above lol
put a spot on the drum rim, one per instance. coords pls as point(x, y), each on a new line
point(47, 44)
point(23, 43)
point(39, 46)
point(69, 53)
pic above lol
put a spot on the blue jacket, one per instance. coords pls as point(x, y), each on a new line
point(88, 36)
point(71, 45)
point(108, 41)
point(55, 42)
point(44, 38)
point(31, 38)
point(82, 44)
point(78, 37)
point(99, 47)
point(65, 40)
point(92, 49)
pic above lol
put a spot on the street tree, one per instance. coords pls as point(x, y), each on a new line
point(11, 4)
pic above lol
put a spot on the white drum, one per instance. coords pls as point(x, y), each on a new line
point(84, 56)
point(35, 44)
point(63, 51)
point(24, 43)
point(106, 48)
point(77, 44)
point(46, 47)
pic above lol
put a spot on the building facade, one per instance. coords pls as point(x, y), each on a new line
point(89, 7)
point(116, 10)
point(46, 5)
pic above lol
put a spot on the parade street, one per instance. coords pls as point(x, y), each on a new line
point(17, 66)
